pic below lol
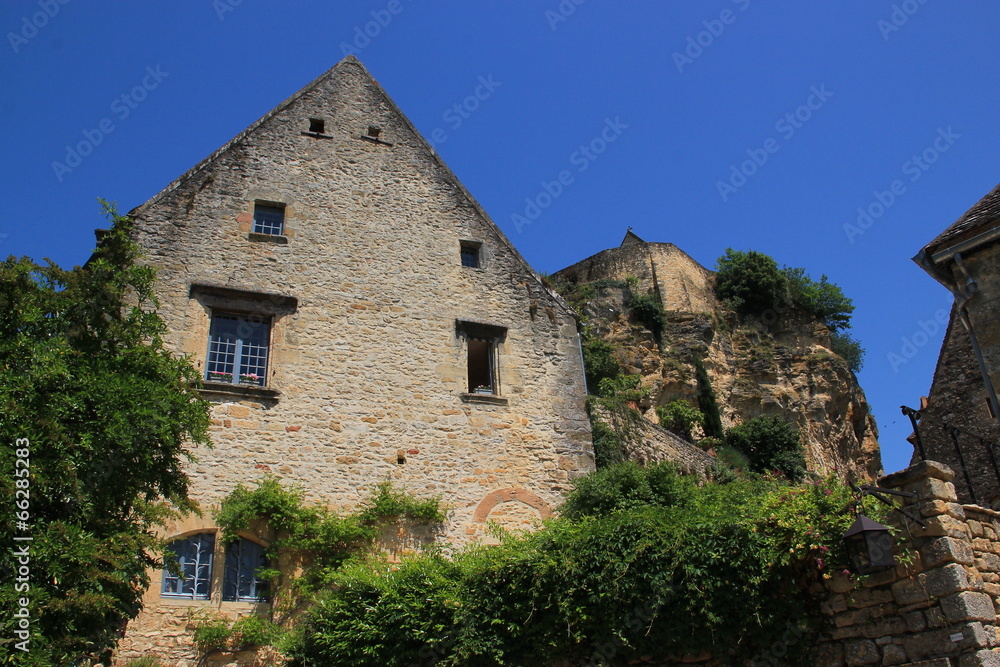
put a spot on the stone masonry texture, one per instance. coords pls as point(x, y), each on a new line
point(371, 310)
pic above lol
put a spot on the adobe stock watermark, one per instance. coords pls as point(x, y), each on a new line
point(364, 34)
point(121, 107)
point(458, 113)
point(900, 14)
point(223, 7)
point(919, 338)
point(21, 550)
point(32, 23)
point(697, 43)
point(581, 158)
point(786, 127)
point(913, 169)
point(562, 12)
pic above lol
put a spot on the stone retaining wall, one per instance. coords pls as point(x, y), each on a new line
point(937, 610)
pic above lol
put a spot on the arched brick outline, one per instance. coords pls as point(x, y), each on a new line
point(493, 499)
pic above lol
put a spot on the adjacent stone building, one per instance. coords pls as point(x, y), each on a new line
point(958, 425)
point(357, 317)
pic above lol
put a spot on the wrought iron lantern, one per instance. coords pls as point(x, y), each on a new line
point(869, 546)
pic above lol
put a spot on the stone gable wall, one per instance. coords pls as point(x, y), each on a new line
point(367, 378)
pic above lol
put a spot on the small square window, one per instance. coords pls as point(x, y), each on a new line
point(470, 255)
point(269, 219)
point(317, 125)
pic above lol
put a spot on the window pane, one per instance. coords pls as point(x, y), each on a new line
point(470, 257)
point(268, 219)
point(194, 560)
point(237, 349)
point(243, 559)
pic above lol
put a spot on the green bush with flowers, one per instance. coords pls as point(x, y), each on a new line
point(641, 562)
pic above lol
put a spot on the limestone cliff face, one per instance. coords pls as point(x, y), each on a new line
point(781, 365)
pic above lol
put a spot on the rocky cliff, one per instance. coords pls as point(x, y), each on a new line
point(780, 364)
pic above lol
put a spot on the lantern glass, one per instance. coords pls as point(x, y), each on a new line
point(869, 546)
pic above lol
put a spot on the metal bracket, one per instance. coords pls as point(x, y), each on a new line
point(878, 493)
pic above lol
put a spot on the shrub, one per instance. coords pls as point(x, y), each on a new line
point(252, 630)
point(388, 503)
point(608, 445)
point(145, 661)
point(623, 387)
point(679, 417)
point(849, 348)
point(627, 486)
point(648, 311)
point(212, 634)
point(749, 280)
point(628, 571)
point(770, 444)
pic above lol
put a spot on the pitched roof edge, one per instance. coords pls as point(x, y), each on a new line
point(353, 60)
point(464, 191)
point(174, 184)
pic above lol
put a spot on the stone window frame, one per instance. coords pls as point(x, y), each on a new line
point(466, 245)
point(246, 219)
point(247, 303)
point(216, 598)
point(496, 335)
point(259, 586)
point(210, 565)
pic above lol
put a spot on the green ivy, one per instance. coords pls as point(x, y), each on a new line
point(325, 538)
point(642, 564)
point(648, 311)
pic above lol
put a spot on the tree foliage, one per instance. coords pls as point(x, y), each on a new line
point(707, 403)
point(679, 417)
point(107, 414)
point(599, 361)
point(770, 444)
point(849, 348)
point(752, 284)
point(750, 281)
point(642, 564)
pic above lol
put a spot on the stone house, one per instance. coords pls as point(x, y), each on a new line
point(958, 424)
point(357, 317)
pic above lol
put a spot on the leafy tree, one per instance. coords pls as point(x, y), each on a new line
point(849, 348)
point(105, 414)
point(751, 281)
point(679, 417)
point(707, 403)
point(823, 300)
point(770, 443)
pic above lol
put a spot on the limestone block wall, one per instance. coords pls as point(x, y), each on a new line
point(940, 610)
point(371, 311)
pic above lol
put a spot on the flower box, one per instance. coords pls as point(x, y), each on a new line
point(250, 378)
point(220, 377)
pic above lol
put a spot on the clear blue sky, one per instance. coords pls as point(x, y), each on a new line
point(884, 84)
